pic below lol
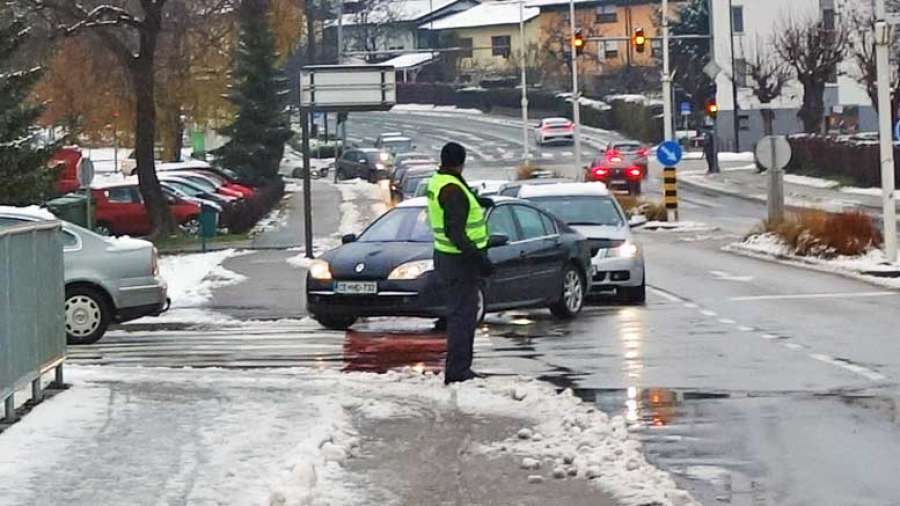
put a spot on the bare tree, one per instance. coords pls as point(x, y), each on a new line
point(863, 51)
point(767, 77)
point(374, 22)
point(814, 53)
point(130, 30)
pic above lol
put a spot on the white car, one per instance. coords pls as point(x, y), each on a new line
point(617, 260)
point(555, 130)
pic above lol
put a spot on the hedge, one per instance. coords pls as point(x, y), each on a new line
point(634, 119)
point(247, 212)
point(851, 161)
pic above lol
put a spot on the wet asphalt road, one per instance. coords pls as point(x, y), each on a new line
point(755, 383)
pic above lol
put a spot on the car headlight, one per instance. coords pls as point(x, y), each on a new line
point(319, 269)
point(627, 250)
point(412, 270)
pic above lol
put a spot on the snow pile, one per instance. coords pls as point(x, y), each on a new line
point(813, 182)
point(30, 211)
point(871, 192)
point(871, 267)
point(193, 277)
point(275, 219)
point(678, 226)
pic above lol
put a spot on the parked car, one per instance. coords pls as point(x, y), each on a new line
point(512, 188)
point(120, 211)
point(384, 135)
point(370, 164)
point(412, 157)
point(221, 177)
point(107, 280)
point(208, 183)
point(411, 179)
point(396, 145)
point(617, 260)
point(388, 270)
point(196, 190)
point(555, 130)
point(69, 161)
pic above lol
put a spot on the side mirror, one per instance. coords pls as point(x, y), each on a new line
point(347, 239)
point(638, 220)
point(497, 240)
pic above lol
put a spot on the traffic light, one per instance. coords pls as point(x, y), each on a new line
point(712, 108)
point(639, 40)
point(578, 42)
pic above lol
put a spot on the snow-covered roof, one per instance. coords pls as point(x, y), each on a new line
point(549, 3)
point(33, 212)
point(564, 190)
point(486, 14)
point(410, 60)
point(395, 11)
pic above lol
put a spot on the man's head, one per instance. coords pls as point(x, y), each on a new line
point(453, 157)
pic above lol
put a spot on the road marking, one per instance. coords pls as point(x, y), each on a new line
point(568, 154)
point(724, 276)
point(851, 295)
point(547, 156)
point(744, 328)
point(666, 295)
point(690, 305)
point(710, 313)
point(849, 366)
point(769, 336)
point(727, 321)
point(792, 346)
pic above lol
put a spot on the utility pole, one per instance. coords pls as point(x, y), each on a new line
point(883, 40)
point(340, 33)
point(734, 91)
point(526, 153)
point(667, 76)
point(576, 97)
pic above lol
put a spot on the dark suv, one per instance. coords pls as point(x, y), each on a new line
point(367, 163)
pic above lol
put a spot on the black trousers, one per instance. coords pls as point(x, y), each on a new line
point(459, 276)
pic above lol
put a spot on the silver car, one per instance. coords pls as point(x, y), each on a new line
point(108, 280)
point(617, 260)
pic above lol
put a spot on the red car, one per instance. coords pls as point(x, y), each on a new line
point(69, 159)
point(120, 211)
point(623, 165)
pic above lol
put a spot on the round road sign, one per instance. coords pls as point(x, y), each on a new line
point(669, 153)
point(773, 152)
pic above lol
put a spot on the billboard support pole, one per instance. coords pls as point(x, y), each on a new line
point(307, 183)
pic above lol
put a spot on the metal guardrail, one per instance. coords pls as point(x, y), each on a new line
point(32, 313)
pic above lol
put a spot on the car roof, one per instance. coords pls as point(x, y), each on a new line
point(595, 189)
point(369, 150)
point(556, 120)
point(536, 181)
point(423, 201)
point(396, 139)
point(390, 134)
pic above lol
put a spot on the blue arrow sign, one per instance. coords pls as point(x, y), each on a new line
point(685, 108)
point(669, 153)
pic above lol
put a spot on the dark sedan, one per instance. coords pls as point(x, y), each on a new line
point(365, 163)
point(388, 269)
point(622, 165)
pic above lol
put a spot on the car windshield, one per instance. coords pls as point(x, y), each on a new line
point(412, 182)
point(399, 145)
point(401, 224)
point(201, 182)
point(582, 210)
point(627, 147)
point(185, 188)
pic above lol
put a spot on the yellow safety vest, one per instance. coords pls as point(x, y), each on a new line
point(476, 227)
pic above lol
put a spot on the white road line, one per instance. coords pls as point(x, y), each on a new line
point(731, 277)
point(727, 321)
point(744, 328)
point(666, 295)
point(690, 305)
point(850, 295)
point(568, 153)
point(769, 336)
point(547, 156)
point(792, 346)
point(854, 368)
point(710, 313)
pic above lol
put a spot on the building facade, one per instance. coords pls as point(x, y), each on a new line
point(747, 28)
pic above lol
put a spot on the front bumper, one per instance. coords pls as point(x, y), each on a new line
point(609, 273)
point(418, 297)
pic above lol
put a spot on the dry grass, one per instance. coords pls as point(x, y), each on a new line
point(526, 171)
point(827, 235)
point(654, 211)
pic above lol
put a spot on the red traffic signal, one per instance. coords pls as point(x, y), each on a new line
point(639, 40)
point(712, 108)
point(578, 42)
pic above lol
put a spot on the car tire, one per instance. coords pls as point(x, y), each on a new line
point(332, 322)
point(482, 309)
point(633, 295)
point(572, 294)
point(103, 228)
point(88, 314)
point(191, 226)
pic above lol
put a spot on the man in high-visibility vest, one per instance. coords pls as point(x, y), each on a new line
point(460, 256)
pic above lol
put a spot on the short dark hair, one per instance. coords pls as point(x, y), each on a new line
point(453, 155)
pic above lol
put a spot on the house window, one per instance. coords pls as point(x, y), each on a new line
point(740, 72)
point(607, 14)
point(737, 19)
point(610, 50)
point(466, 45)
point(500, 46)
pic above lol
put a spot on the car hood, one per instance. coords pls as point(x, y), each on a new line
point(377, 258)
point(603, 232)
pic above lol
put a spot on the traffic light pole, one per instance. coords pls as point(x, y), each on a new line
point(883, 41)
point(668, 135)
point(526, 153)
point(576, 102)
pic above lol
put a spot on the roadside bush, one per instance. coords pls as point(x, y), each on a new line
point(856, 162)
point(246, 213)
point(827, 235)
point(653, 211)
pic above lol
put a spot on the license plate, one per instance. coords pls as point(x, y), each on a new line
point(356, 287)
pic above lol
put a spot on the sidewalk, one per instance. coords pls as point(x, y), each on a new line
point(313, 437)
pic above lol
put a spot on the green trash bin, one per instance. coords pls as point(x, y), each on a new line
point(209, 220)
point(71, 207)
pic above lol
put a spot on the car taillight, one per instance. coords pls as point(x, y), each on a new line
point(154, 261)
point(600, 172)
point(634, 172)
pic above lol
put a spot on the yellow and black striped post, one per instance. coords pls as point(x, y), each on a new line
point(670, 187)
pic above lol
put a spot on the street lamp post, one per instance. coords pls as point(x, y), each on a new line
point(883, 39)
point(576, 102)
point(667, 75)
point(526, 154)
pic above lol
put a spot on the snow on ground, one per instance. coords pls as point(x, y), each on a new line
point(275, 219)
point(871, 267)
point(813, 182)
point(70, 447)
point(871, 192)
point(678, 226)
point(433, 108)
point(745, 156)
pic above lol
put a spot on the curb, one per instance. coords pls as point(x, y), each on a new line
point(881, 280)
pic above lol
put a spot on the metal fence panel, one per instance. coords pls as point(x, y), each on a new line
point(32, 314)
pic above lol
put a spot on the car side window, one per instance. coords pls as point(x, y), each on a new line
point(549, 225)
point(501, 222)
point(69, 240)
point(120, 195)
point(351, 155)
point(530, 222)
point(512, 191)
